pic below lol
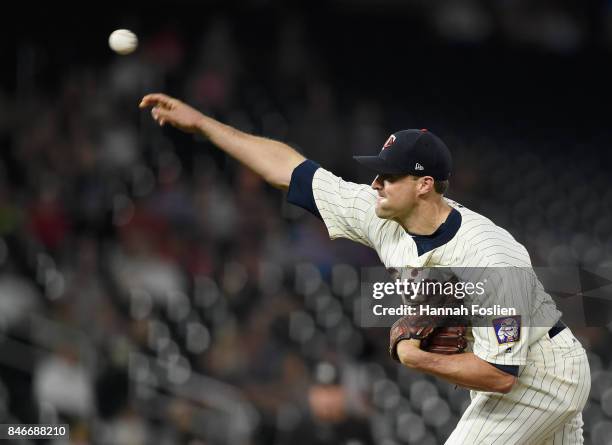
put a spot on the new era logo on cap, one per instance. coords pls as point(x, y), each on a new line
point(419, 167)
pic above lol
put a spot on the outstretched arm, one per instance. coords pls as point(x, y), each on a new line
point(274, 161)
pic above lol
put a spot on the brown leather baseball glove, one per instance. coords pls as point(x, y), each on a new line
point(446, 340)
point(434, 338)
point(442, 334)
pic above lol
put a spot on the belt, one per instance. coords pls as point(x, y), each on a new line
point(558, 327)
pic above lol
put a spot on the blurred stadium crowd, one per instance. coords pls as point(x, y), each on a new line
point(155, 292)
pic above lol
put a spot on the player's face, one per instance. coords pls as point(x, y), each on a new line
point(397, 195)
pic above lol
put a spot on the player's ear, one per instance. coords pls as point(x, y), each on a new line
point(425, 184)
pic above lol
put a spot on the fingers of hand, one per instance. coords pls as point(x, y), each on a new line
point(149, 100)
point(158, 115)
point(412, 342)
point(156, 100)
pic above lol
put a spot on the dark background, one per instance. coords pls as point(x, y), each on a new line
point(154, 291)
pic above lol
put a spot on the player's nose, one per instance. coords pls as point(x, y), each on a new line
point(377, 184)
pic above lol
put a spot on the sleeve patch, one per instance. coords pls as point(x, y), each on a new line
point(507, 329)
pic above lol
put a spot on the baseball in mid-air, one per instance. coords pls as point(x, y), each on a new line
point(123, 41)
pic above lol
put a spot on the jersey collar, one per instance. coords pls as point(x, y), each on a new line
point(441, 236)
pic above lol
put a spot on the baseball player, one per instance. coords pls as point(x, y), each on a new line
point(529, 384)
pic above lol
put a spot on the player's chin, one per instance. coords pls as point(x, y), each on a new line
point(382, 212)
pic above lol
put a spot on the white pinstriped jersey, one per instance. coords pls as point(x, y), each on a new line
point(545, 405)
point(348, 211)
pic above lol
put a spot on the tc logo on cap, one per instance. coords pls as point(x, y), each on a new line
point(389, 142)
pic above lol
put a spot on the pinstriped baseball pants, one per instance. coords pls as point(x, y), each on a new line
point(544, 406)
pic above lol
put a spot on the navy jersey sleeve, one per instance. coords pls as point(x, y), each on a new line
point(509, 369)
point(300, 188)
point(347, 209)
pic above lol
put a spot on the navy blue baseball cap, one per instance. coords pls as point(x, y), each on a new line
point(411, 152)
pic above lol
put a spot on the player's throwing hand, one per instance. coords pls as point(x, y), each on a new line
point(168, 110)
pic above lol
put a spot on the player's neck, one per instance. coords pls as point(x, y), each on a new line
point(426, 217)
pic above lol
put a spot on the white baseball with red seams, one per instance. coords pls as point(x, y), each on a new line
point(123, 41)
